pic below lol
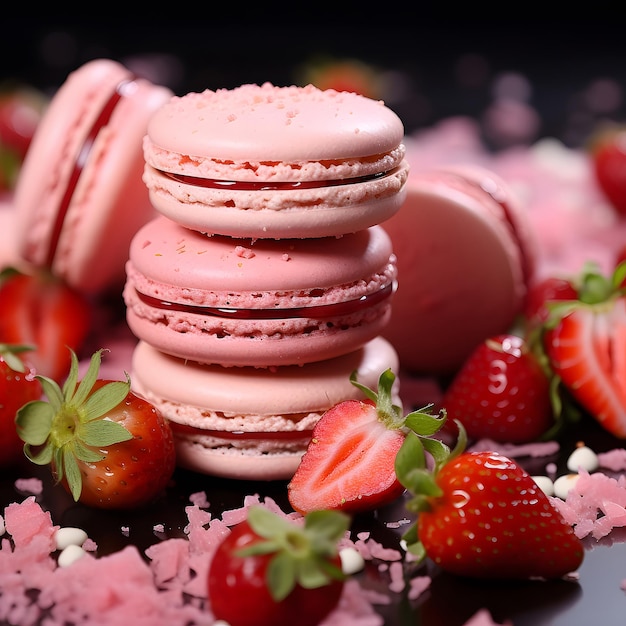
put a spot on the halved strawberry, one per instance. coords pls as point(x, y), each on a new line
point(108, 447)
point(41, 310)
point(481, 515)
point(501, 392)
point(585, 342)
point(349, 462)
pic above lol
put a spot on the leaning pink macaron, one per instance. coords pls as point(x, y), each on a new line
point(263, 161)
point(265, 302)
point(251, 423)
point(465, 253)
point(80, 196)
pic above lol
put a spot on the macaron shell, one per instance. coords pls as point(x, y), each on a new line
point(270, 123)
point(251, 400)
point(326, 211)
point(462, 270)
point(170, 263)
point(109, 202)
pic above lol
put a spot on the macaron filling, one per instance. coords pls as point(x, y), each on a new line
point(271, 186)
point(321, 311)
point(81, 160)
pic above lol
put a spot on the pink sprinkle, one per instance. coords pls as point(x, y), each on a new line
point(483, 618)
point(418, 585)
point(29, 485)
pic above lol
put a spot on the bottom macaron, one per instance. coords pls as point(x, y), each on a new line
point(251, 423)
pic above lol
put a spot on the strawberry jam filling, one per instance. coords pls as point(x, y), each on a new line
point(267, 186)
point(282, 435)
point(101, 121)
point(320, 311)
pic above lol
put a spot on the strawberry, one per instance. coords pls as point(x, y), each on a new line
point(543, 294)
point(21, 110)
point(107, 446)
point(349, 462)
point(501, 392)
point(18, 386)
point(585, 343)
point(481, 515)
point(608, 158)
point(268, 570)
point(41, 310)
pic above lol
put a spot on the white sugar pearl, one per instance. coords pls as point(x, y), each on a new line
point(69, 536)
point(545, 484)
point(351, 561)
point(583, 458)
point(563, 484)
point(3, 528)
point(70, 554)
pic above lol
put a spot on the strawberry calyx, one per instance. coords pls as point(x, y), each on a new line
point(300, 554)
point(417, 464)
point(421, 421)
point(9, 354)
point(72, 425)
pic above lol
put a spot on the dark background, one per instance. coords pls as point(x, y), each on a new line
point(422, 57)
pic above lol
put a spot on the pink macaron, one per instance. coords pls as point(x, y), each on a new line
point(251, 423)
point(466, 254)
point(263, 161)
point(80, 196)
point(263, 302)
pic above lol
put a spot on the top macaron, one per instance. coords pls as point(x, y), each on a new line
point(272, 162)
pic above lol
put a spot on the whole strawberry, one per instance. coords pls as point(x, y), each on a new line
point(39, 309)
point(481, 515)
point(107, 446)
point(608, 157)
point(18, 385)
point(501, 392)
point(349, 462)
point(268, 571)
point(585, 342)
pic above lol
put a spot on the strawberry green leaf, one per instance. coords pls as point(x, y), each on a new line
point(425, 423)
point(72, 474)
point(33, 422)
point(102, 433)
point(281, 576)
point(52, 392)
point(105, 399)
point(41, 456)
point(86, 384)
point(88, 455)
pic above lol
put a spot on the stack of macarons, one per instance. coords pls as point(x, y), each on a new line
point(267, 278)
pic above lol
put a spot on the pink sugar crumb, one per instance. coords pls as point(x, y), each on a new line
point(244, 253)
point(614, 460)
point(27, 521)
point(418, 585)
point(595, 505)
point(199, 499)
point(29, 485)
point(533, 450)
